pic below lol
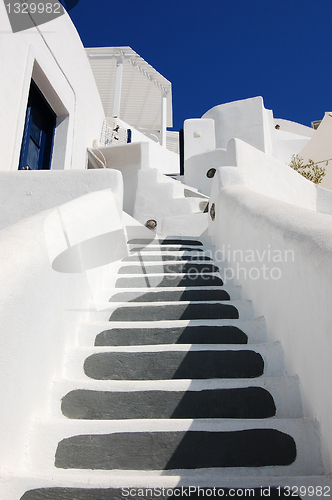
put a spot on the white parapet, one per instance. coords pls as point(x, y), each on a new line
point(199, 136)
point(55, 265)
point(26, 193)
point(281, 255)
point(247, 120)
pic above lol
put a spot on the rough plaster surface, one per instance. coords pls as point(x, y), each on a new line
point(297, 304)
point(158, 197)
point(26, 193)
point(197, 166)
point(41, 307)
point(199, 137)
point(319, 149)
point(266, 175)
point(247, 120)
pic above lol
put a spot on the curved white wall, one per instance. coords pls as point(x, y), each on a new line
point(319, 148)
point(199, 136)
point(197, 166)
point(296, 298)
point(247, 120)
point(55, 265)
point(54, 55)
point(24, 193)
point(266, 175)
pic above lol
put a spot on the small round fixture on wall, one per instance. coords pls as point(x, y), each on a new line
point(213, 211)
point(210, 173)
point(151, 224)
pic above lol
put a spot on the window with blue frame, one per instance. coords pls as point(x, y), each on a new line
point(37, 142)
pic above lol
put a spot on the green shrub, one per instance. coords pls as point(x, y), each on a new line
point(311, 170)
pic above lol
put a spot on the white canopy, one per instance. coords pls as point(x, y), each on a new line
point(131, 89)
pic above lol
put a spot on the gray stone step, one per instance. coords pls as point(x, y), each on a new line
point(197, 295)
point(176, 335)
point(249, 402)
point(176, 450)
point(169, 280)
point(193, 269)
point(284, 390)
point(185, 311)
point(164, 257)
point(253, 328)
point(164, 248)
point(164, 365)
point(175, 362)
point(165, 241)
point(41, 457)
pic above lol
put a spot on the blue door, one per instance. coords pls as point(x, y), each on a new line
point(37, 142)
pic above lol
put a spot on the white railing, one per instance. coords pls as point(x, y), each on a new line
point(113, 134)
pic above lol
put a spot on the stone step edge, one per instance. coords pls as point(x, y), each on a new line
point(128, 304)
point(167, 275)
point(260, 320)
point(15, 484)
point(157, 244)
point(199, 259)
point(284, 390)
point(45, 436)
point(174, 288)
point(271, 353)
point(254, 328)
point(244, 307)
point(233, 292)
point(165, 263)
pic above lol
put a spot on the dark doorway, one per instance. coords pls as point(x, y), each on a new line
point(37, 142)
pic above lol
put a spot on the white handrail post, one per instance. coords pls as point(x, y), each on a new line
point(163, 119)
point(117, 89)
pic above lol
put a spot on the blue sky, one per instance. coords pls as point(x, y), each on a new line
point(217, 51)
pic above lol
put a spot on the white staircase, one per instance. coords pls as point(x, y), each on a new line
point(173, 384)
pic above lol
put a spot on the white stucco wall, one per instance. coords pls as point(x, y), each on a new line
point(197, 166)
point(128, 159)
point(293, 292)
point(199, 136)
point(294, 128)
point(158, 196)
point(266, 175)
point(247, 120)
point(289, 144)
point(291, 137)
point(319, 149)
point(54, 56)
point(24, 193)
point(46, 291)
point(167, 162)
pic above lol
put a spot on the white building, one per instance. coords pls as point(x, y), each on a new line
point(93, 126)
